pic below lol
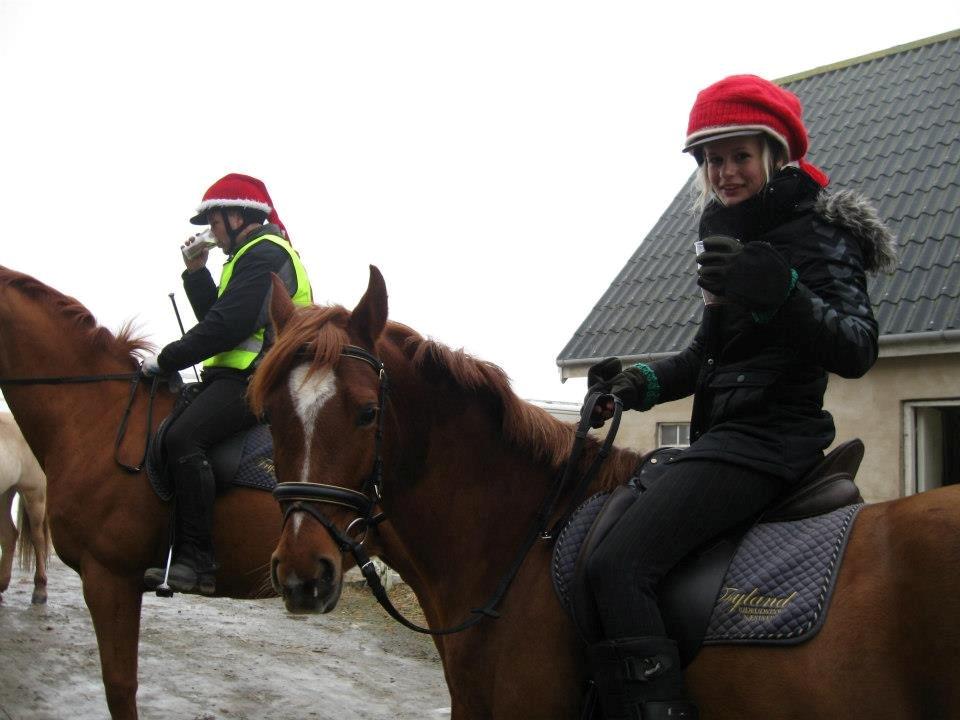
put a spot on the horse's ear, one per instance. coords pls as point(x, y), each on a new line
point(369, 317)
point(281, 306)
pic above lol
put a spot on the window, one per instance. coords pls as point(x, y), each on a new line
point(931, 445)
point(673, 434)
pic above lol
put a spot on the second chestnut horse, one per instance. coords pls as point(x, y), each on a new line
point(465, 466)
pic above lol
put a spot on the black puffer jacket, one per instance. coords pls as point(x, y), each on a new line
point(758, 384)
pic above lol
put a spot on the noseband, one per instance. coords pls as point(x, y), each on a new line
point(303, 496)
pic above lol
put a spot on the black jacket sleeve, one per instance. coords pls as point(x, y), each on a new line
point(677, 375)
point(235, 315)
point(201, 291)
point(828, 313)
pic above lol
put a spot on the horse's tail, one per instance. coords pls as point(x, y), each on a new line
point(25, 549)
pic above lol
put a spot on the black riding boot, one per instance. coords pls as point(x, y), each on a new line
point(194, 567)
point(639, 679)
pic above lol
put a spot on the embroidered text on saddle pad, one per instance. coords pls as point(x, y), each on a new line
point(778, 586)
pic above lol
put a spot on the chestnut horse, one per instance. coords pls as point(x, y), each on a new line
point(21, 475)
point(465, 466)
point(107, 523)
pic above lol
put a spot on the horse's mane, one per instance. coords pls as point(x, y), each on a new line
point(320, 333)
point(98, 337)
point(524, 425)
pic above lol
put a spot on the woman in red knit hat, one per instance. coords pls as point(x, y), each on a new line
point(782, 266)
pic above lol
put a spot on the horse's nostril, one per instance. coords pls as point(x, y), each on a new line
point(325, 574)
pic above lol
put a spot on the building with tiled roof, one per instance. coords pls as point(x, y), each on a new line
point(888, 126)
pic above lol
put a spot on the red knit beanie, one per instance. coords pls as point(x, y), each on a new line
point(748, 105)
point(240, 191)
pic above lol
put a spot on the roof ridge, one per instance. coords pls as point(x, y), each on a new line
point(843, 81)
point(895, 50)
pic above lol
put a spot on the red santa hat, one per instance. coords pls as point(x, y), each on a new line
point(237, 191)
point(749, 105)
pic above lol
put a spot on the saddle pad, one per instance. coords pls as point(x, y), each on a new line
point(778, 587)
point(255, 469)
point(569, 540)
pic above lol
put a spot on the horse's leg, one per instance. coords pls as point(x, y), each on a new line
point(34, 502)
point(114, 604)
point(8, 539)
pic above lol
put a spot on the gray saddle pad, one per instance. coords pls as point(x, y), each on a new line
point(779, 584)
point(777, 588)
point(254, 467)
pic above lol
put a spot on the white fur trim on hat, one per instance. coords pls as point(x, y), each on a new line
point(218, 202)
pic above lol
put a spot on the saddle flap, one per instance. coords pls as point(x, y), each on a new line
point(688, 593)
point(583, 607)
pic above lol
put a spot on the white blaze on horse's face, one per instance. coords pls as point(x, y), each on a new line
point(309, 395)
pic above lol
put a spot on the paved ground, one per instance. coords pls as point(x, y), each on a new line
point(219, 659)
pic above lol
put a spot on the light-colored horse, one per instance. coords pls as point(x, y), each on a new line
point(20, 473)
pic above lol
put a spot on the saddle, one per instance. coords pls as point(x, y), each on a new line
point(244, 459)
point(688, 594)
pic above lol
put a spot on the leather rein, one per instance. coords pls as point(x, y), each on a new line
point(134, 380)
point(304, 496)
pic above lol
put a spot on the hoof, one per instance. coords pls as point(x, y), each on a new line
point(39, 596)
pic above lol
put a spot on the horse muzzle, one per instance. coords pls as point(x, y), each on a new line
point(311, 590)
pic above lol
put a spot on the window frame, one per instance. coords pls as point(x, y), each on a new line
point(910, 435)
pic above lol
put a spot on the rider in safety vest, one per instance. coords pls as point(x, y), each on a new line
point(231, 336)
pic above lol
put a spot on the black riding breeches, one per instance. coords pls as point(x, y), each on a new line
point(219, 411)
point(691, 503)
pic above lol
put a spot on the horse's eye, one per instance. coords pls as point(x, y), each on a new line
point(367, 415)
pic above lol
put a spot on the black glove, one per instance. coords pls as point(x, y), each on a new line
point(600, 374)
point(754, 276)
point(598, 381)
point(630, 386)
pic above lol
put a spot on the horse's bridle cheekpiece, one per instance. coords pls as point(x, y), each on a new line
point(304, 496)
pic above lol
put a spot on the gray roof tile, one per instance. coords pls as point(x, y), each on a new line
point(887, 126)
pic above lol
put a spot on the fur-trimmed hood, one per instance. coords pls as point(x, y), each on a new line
point(856, 214)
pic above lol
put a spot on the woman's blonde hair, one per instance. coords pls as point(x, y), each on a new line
point(773, 156)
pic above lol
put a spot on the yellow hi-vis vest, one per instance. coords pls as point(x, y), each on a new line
point(243, 355)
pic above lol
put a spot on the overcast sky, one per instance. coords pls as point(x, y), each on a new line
point(498, 161)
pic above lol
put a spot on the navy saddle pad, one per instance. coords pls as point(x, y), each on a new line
point(244, 460)
point(776, 589)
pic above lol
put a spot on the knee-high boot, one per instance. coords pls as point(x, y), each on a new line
point(194, 566)
point(639, 679)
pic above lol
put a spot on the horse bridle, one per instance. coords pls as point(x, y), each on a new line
point(303, 496)
point(133, 378)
